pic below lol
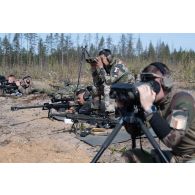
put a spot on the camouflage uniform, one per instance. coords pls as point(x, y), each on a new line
point(103, 78)
point(67, 91)
point(180, 114)
point(179, 111)
point(24, 90)
point(26, 85)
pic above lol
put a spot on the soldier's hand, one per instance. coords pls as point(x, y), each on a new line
point(70, 110)
point(147, 96)
point(18, 83)
point(99, 63)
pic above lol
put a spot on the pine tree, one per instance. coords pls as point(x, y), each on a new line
point(130, 50)
point(16, 48)
point(101, 44)
point(1, 53)
point(50, 44)
point(109, 43)
point(122, 46)
point(151, 52)
point(96, 41)
point(41, 53)
point(56, 49)
point(6, 47)
point(139, 48)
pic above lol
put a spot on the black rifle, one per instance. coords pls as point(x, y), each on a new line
point(8, 88)
point(131, 114)
point(91, 119)
point(65, 99)
point(47, 106)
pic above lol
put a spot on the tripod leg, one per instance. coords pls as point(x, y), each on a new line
point(108, 141)
point(152, 141)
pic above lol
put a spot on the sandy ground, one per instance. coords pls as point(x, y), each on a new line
point(29, 136)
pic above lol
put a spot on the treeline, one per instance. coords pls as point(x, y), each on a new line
point(62, 50)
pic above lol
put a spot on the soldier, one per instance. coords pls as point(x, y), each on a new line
point(66, 91)
point(10, 86)
point(25, 85)
point(86, 103)
point(172, 116)
point(107, 70)
point(11, 79)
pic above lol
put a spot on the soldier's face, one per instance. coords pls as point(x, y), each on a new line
point(80, 99)
point(11, 79)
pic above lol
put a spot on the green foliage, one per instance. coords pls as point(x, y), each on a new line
point(58, 53)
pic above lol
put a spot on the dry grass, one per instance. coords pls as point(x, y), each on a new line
point(56, 74)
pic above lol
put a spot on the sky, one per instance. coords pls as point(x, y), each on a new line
point(175, 40)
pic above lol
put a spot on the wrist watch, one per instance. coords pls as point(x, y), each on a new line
point(149, 113)
point(151, 110)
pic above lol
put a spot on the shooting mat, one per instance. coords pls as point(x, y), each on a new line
point(97, 140)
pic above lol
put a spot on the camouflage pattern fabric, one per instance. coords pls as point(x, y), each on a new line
point(114, 73)
point(103, 78)
point(26, 85)
point(185, 103)
point(67, 91)
point(180, 114)
point(179, 111)
point(25, 91)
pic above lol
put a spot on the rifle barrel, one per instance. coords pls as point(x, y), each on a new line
point(14, 108)
point(45, 106)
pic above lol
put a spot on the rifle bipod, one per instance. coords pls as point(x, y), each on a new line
point(78, 129)
point(132, 120)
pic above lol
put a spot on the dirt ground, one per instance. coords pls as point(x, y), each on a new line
point(29, 136)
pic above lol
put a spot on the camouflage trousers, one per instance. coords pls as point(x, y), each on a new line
point(104, 90)
point(184, 158)
point(151, 156)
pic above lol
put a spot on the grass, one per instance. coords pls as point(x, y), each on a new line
point(57, 73)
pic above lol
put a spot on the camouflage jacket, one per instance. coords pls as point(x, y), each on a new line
point(26, 85)
point(25, 91)
point(179, 111)
point(116, 72)
point(67, 91)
